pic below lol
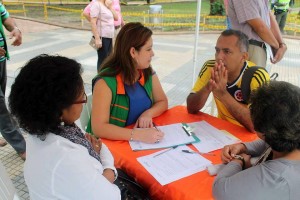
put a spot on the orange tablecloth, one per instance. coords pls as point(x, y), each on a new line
point(197, 186)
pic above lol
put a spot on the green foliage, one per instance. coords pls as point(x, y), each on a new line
point(217, 8)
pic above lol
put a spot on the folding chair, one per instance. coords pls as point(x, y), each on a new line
point(86, 113)
point(7, 189)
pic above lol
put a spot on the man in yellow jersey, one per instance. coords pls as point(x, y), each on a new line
point(223, 77)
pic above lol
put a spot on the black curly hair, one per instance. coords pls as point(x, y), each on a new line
point(275, 112)
point(45, 86)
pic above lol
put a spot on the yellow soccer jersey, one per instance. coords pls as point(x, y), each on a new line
point(260, 77)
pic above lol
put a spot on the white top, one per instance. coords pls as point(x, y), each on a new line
point(60, 169)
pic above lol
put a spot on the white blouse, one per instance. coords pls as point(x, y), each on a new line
point(57, 168)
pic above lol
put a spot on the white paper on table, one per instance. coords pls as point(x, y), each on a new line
point(210, 137)
point(173, 164)
point(174, 135)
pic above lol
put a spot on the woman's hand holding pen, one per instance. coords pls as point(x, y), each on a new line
point(148, 135)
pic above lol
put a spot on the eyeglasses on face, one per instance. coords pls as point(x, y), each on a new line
point(81, 101)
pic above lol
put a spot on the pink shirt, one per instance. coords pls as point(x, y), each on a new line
point(117, 7)
point(87, 9)
point(107, 20)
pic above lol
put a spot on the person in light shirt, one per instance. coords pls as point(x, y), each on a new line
point(62, 163)
point(275, 113)
point(102, 16)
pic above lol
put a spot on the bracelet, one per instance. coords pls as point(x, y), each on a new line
point(242, 159)
point(131, 135)
point(282, 44)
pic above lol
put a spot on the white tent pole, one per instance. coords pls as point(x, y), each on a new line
point(196, 38)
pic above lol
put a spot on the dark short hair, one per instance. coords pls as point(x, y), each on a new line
point(243, 40)
point(133, 34)
point(275, 112)
point(45, 86)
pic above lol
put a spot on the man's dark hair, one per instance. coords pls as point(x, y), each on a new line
point(44, 87)
point(243, 42)
point(275, 112)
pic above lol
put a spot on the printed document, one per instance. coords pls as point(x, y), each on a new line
point(174, 135)
point(211, 138)
point(172, 164)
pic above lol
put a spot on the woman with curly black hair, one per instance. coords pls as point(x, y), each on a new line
point(62, 163)
point(275, 112)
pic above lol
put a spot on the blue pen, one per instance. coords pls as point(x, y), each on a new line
point(165, 151)
point(201, 153)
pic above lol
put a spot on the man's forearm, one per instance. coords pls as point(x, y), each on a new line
point(263, 32)
point(238, 111)
point(196, 101)
point(9, 24)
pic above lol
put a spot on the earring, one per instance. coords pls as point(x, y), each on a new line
point(62, 123)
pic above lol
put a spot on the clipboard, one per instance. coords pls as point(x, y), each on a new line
point(175, 135)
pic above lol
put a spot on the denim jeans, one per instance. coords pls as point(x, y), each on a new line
point(8, 128)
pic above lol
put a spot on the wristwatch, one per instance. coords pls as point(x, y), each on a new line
point(242, 159)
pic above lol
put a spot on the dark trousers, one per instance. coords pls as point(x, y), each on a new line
point(8, 127)
point(281, 19)
point(104, 51)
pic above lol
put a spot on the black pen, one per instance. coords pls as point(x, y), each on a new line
point(154, 125)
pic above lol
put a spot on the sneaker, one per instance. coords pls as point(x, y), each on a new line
point(2, 143)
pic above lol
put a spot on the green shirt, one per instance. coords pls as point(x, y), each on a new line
point(4, 15)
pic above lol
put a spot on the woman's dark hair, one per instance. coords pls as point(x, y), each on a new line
point(275, 112)
point(44, 87)
point(135, 35)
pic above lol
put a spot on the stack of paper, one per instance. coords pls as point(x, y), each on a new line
point(174, 135)
point(211, 138)
point(172, 164)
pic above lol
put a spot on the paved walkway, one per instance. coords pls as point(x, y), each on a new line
point(173, 62)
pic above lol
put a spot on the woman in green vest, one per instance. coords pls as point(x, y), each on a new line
point(127, 90)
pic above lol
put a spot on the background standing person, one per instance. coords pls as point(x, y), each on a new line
point(103, 16)
point(254, 18)
point(127, 90)
point(281, 9)
point(62, 163)
point(87, 10)
point(118, 23)
point(8, 127)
